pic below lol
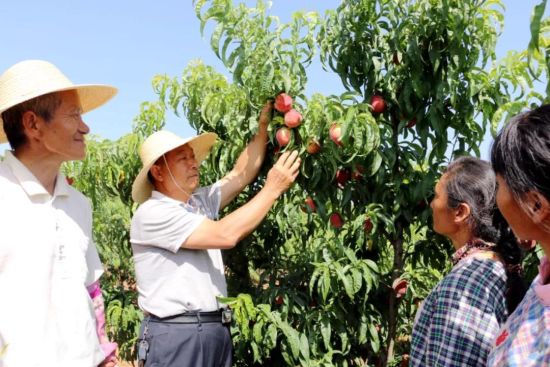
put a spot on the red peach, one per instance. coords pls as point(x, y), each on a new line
point(283, 136)
point(283, 102)
point(378, 104)
point(293, 118)
point(335, 133)
point(336, 220)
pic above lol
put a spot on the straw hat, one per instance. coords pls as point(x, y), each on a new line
point(160, 143)
point(32, 78)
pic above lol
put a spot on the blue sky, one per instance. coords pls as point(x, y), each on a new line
point(125, 43)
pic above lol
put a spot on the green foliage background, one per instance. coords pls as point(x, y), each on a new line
point(304, 292)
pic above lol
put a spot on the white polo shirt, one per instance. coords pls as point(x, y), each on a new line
point(47, 258)
point(172, 280)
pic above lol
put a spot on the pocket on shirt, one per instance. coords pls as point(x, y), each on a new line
point(71, 261)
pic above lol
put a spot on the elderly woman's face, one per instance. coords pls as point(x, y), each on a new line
point(443, 216)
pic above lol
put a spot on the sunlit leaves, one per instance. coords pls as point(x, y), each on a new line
point(264, 56)
point(421, 56)
point(311, 294)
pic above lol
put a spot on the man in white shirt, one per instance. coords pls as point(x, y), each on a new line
point(49, 266)
point(177, 237)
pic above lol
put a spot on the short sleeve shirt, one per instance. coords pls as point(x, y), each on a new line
point(170, 279)
point(47, 259)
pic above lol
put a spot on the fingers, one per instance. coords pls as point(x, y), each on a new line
point(293, 162)
point(289, 162)
point(282, 159)
point(288, 158)
point(295, 168)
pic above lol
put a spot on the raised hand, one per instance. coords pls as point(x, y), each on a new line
point(284, 172)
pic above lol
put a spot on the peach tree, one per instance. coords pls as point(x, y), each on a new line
point(326, 283)
point(335, 273)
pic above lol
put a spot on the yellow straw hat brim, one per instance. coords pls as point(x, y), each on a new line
point(33, 78)
point(160, 143)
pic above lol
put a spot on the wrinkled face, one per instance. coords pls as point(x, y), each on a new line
point(522, 225)
point(64, 135)
point(184, 168)
point(443, 216)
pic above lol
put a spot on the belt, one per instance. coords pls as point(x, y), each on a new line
point(190, 318)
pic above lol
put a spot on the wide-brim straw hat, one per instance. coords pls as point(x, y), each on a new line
point(33, 78)
point(160, 143)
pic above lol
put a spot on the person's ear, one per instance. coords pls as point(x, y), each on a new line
point(462, 212)
point(538, 206)
point(156, 173)
point(30, 122)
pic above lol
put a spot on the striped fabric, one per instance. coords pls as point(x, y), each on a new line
point(461, 317)
point(525, 338)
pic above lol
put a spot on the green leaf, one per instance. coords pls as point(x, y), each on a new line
point(271, 336)
point(325, 286)
point(344, 279)
point(326, 331)
point(374, 339)
point(304, 346)
point(536, 16)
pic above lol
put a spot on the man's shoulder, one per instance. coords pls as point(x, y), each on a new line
point(157, 202)
point(206, 191)
point(5, 171)
point(153, 207)
point(208, 198)
point(79, 197)
point(8, 181)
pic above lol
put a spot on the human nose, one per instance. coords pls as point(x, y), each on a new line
point(83, 127)
point(194, 164)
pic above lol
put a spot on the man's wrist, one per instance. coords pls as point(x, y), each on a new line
point(271, 193)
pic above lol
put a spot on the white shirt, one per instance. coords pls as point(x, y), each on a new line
point(172, 280)
point(47, 258)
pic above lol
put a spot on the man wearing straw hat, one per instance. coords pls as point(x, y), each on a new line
point(177, 237)
point(51, 309)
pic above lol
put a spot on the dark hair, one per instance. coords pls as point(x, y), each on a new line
point(44, 106)
point(521, 154)
point(473, 182)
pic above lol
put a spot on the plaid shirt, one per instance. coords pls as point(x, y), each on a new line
point(461, 317)
point(525, 338)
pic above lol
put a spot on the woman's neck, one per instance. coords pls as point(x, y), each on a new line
point(461, 238)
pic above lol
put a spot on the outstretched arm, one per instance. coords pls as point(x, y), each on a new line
point(228, 231)
point(249, 162)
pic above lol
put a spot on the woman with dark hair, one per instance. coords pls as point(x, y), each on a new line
point(462, 315)
point(521, 160)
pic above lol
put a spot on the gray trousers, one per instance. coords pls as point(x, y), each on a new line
point(188, 345)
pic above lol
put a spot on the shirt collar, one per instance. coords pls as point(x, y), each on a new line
point(30, 183)
point(542, 285)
